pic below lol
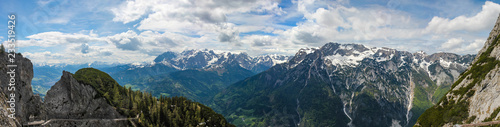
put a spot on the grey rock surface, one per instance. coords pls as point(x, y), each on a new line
point(68, 99)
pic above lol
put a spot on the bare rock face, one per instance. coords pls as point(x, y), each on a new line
point(26, 104)
point(366, 86)
point(68, 99)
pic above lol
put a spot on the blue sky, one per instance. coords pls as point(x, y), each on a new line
point(119, 31)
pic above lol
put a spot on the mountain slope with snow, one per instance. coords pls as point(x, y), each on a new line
point(340, 85)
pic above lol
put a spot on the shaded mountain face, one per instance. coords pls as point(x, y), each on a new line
point(475, 96)
point(69, 99)
point(45, 76)
point(341, 85)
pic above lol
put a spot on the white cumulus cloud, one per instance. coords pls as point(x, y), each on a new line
point(483, 20)
point(462, 46)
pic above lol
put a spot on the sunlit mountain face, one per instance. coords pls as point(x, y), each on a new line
point(352, 84)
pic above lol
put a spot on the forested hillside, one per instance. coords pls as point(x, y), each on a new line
point(153, 111)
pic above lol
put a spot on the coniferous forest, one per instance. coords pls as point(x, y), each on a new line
point(152, 111)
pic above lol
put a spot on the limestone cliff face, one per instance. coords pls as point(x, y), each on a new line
point(475, 96)
point(491, 39)
point(79, 105)
point(68, 99)
point(486, 98)
point(27, 104)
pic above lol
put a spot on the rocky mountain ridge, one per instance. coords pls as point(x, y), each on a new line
point(92, 98)
point(47, 75)
point(475, 95)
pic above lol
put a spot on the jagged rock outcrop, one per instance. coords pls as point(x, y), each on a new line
point(475, 97)
point(68, 99)
point(26, 104)
point(343, 84)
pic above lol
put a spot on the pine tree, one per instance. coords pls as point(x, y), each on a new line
point(116, 96)
point(106, 95)
point(2, 49)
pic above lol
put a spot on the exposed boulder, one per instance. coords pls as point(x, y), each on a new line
point(475, 97)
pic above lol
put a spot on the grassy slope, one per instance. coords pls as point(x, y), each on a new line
point(163, 111)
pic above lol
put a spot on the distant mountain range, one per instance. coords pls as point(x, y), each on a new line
point(204, 72)
point(195, 74)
